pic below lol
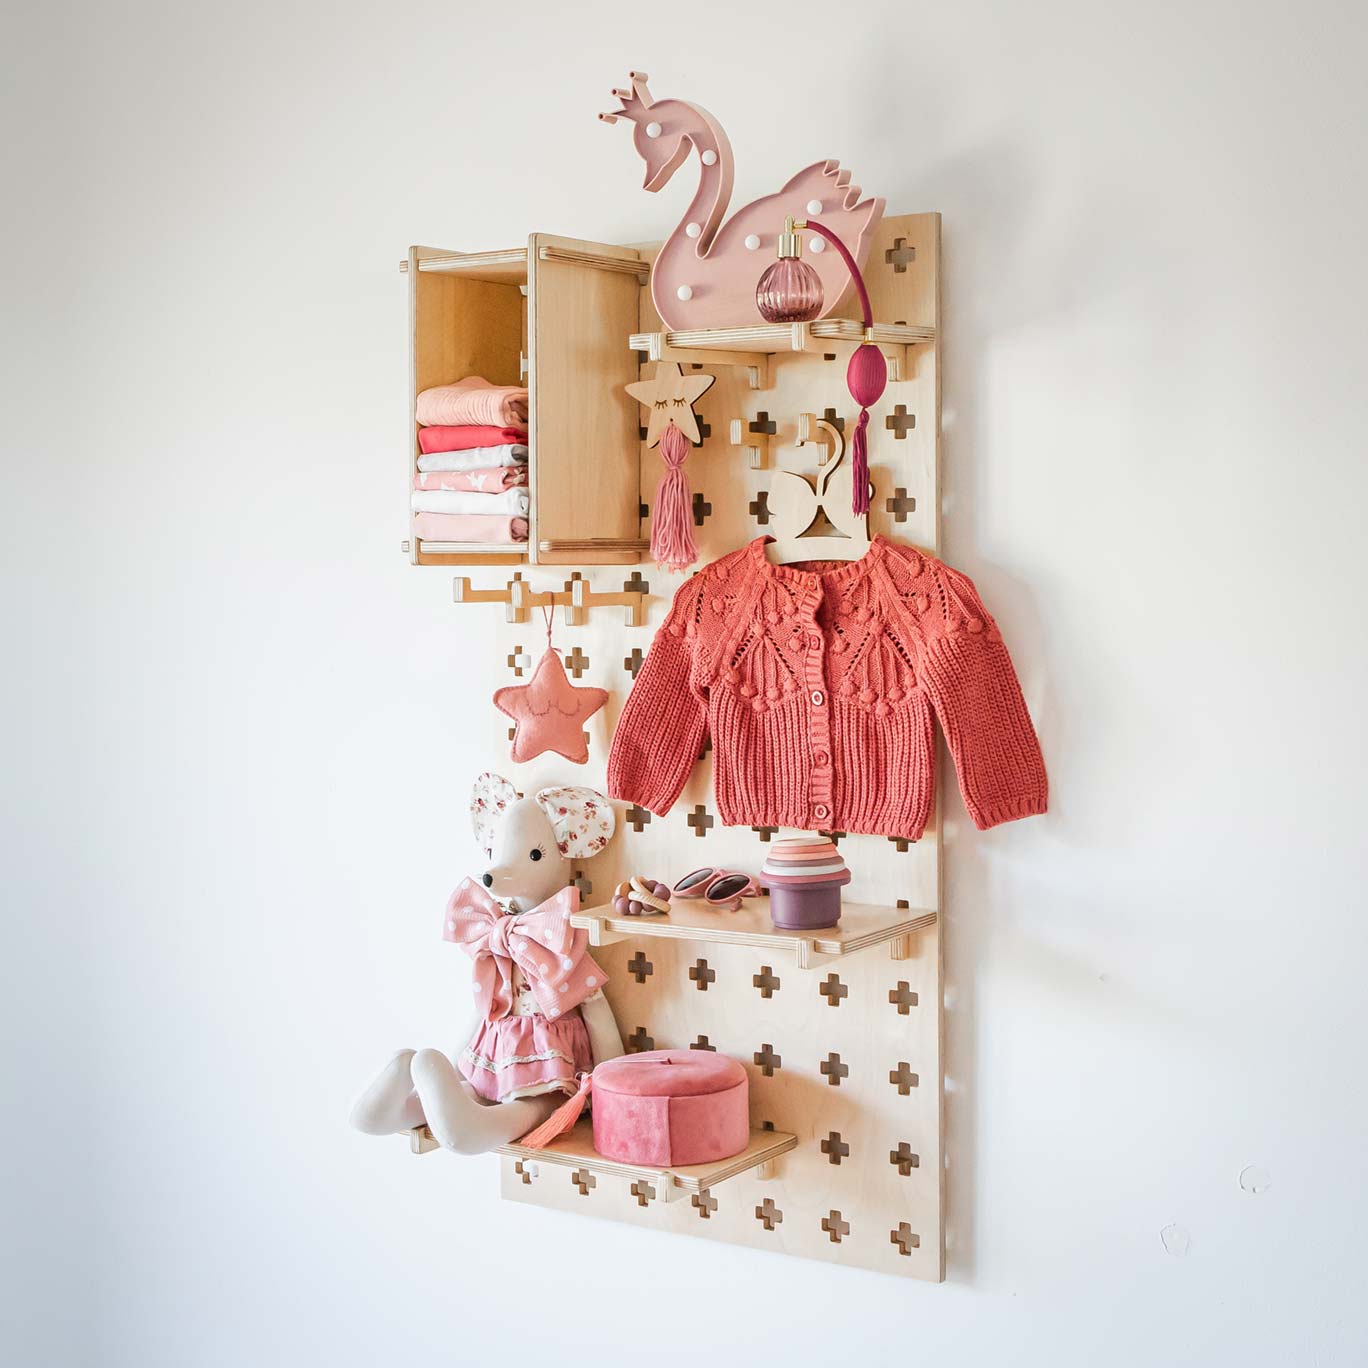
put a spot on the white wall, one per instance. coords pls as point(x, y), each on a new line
point(242, 726)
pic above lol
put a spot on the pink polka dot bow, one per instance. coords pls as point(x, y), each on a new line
point(550, 952)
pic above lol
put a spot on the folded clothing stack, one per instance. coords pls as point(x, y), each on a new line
point(471, 483)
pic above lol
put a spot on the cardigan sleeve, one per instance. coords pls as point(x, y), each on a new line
point(664, 724)
point(974, 690)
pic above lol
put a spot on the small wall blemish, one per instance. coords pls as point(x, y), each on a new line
point(1253, 1179)
point(1176, 1240)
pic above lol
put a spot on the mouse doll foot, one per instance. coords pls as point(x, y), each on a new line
point(389, 1106)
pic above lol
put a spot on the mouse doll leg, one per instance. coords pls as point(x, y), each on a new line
point(389, 1106)
point(460, 1119)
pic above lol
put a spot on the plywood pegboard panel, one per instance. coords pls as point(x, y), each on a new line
point(870, 1152)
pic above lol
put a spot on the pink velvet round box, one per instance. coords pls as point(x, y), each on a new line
point(671, 1107)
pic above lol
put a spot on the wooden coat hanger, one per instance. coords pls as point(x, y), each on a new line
point(795, 504)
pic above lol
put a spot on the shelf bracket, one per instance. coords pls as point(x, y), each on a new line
point(755, 364)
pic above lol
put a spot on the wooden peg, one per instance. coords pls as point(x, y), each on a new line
point(755, 454)
point(577, 598)
point(421, 1141)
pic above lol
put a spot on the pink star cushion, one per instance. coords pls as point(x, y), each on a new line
point(550, 712)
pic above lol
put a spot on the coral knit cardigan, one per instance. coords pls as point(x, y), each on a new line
point(817, 687)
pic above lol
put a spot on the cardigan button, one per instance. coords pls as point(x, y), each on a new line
point(815, 642)
point(821, 812)
point(821, 759)
point(818, 698)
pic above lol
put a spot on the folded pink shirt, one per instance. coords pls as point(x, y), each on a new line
point(487, 481)
point(473, 400)
point(467, 435)
point(469, 527)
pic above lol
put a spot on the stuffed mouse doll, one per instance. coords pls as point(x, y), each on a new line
point(540, 1015)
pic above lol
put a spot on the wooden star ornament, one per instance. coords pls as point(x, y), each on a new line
point(669, 396)
point(550, 712)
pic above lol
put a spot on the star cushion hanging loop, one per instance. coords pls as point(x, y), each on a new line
point(669, 397)
point(549, 710)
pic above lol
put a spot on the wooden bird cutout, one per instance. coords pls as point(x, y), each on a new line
point(705, 274)
point(794, 503)
point(669, 396)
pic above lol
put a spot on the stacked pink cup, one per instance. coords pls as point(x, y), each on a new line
point(804, 878)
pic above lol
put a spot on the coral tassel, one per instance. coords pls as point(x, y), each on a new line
point(672, 540)
point(560, 1120)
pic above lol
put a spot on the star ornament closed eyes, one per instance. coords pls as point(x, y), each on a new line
point(668, 397)
point(550, 712)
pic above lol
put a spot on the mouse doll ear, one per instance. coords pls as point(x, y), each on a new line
point(490, 796)
point(583, 819)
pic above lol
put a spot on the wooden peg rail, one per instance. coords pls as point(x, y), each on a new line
point(577, 598)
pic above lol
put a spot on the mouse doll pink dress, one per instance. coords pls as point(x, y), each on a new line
point(532, 971)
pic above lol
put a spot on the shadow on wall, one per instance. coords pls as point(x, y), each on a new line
point(1011, 261)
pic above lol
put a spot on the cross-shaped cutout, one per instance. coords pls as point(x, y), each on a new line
point(512, 732)
point(577, 662)
point(638, 818)
point(904, 1238)
point(521, 1170)
point(707, 747)
point(835, 1226)
point(704, 1203)
point(581, 881)
point(900, 504)
point(640, 967)
point(831, 416)
point(699, 820)
point(903, 1159)
point(900, 843)
point(518, 660)
point(764, 425)
point(643, 508)
point(833, 990)
point(764, 833)
point(633, 663)
point(768, 1214)
point(900, 256)
point(584, 1180)
point(766, 981)
point(900, 422)
point(768, 1060)
point(759, 508)
point(639, 1041)
point(834, 1147)
point(703, 1043)
point(902, 997)
point(701, 975)
point(767, 1125)
point(636, 585)
point(704, 431)
point(833, 1070)
point(903, 1078)
point(642, 1191)
point(701, 509)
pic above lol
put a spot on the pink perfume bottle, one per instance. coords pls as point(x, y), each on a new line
point(790, 291)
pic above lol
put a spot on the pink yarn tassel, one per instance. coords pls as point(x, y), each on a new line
point(672, 539)
point(560, 1120)
point(859, 465)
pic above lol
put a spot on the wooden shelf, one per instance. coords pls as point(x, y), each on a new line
point(506, 267)
point(779, 337)
point(576, 1150)
point(861, 926)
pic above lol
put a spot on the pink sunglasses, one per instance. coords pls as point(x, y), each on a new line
point(717, 887)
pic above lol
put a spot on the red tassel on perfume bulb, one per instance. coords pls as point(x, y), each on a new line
point(672, 539)
point(866, 378)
